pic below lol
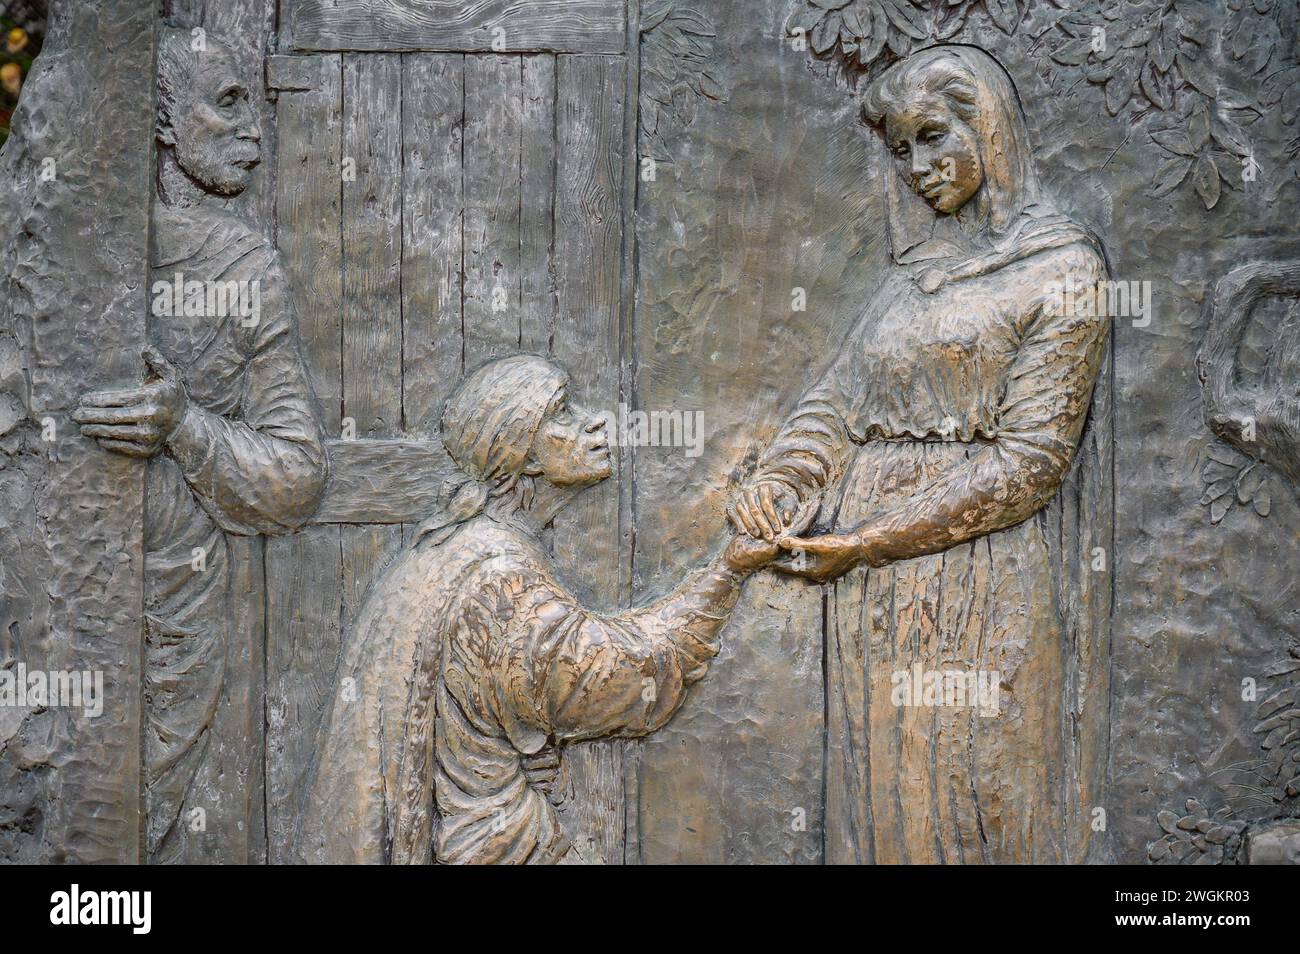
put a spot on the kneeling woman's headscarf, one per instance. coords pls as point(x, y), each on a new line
point(488, 428)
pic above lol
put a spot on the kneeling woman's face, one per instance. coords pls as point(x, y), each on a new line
point(571, 448)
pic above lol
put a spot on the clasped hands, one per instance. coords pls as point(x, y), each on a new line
point(769, 517)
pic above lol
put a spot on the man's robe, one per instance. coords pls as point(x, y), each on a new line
point(247, 458)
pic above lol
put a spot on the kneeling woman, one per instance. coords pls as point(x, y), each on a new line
point(469, 662)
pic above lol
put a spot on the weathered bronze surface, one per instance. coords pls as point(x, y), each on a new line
point(810, 431)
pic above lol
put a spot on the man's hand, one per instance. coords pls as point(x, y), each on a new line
point(136, 421)
point(745, 554)
point(765, 510)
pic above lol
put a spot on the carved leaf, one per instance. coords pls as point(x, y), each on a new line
point(1262, 46)
point(1230, 136)
point(1198, 125)
point(1196, 74)
point(1139, 37)
point(1154, 88)
point(1119, 88)
point(1175, 140)
point(906, 18)
point(1168, 821)
point(1099, 71)
point(950, 20)
point(1214, 471)
point(856, 24)
point(1005, 14)
point(1242, 39)
point(1291, 101)
point(1224, 455)
point(803, 19)
point(826, 33)
point(1071, 52)
point(1248, 484)
point(1205, 177)
point(1263, 501)
point(899, 43)
point(1079, 24)
point(873, 41)
point(1163, 52)
point(1217, 489)
point(1171, 176)
point(1219, 508)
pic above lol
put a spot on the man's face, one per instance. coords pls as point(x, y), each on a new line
point(214, 129)
point(571, 448)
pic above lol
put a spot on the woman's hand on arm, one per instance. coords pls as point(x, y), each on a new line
point(828, 556)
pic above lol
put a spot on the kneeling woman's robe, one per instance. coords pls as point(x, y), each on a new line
point(466, 659)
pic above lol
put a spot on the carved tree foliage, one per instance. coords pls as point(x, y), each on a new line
point(1160, 63)
point(676, 52)
point(1256, 422)
point(1257, 790)
point(1196, 837)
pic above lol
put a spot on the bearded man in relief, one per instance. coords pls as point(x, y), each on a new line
point(225, 417)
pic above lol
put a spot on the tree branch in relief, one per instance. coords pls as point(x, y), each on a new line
point(677, 49)
point(1162, 61)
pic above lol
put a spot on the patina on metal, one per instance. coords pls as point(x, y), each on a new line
point(617, 431)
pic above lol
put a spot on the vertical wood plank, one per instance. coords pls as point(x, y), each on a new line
point(633, 751)
point(232, 778)
point(304, 571)
point(372, 243)
point(493, 137)
point(372, 287)
point(537, 300)
point(433, 115)
point(588, 325)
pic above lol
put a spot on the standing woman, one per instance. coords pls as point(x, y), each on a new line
point(942, 447)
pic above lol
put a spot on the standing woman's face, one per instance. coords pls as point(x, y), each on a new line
point(935, 151)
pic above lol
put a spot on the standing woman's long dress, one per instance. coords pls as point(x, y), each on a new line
point(950, 419)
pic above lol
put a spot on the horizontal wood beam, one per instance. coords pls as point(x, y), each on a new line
point(462, 26)
point(383, 481)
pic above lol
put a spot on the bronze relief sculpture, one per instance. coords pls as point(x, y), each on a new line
point(946, 424)
point(226, 418)
point(1259, 419)
point(962, 567)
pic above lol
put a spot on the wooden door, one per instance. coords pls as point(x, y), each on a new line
point(452, 184)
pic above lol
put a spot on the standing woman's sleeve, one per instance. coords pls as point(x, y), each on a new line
point(812, 448)
point(1041, 417)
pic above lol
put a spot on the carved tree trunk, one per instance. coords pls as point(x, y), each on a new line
point(75, 202)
